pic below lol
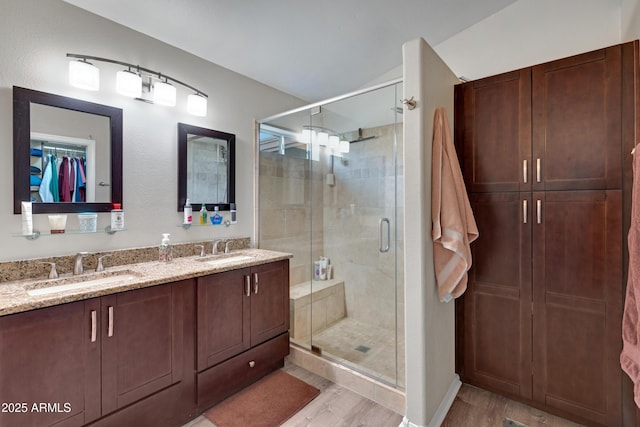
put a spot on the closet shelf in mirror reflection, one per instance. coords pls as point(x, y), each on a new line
point(36, 233)
point(226, 223)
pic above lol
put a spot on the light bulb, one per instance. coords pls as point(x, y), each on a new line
point(323, 138)
point(197, 105)
point(164, 94)
point(129, 83)
point(343, 147)
point(84, 75)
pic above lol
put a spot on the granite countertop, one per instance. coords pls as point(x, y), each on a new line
point(15, 296)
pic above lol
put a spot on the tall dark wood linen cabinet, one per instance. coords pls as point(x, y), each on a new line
point(545, 153)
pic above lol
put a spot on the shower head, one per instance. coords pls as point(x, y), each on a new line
point(361, 138)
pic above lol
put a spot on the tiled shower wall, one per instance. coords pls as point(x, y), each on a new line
point(345, 219)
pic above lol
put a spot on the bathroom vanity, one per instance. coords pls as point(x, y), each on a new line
point(154, 348)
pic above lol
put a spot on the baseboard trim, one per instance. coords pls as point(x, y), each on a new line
point(443, 408)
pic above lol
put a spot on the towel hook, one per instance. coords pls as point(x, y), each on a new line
point(410, 103)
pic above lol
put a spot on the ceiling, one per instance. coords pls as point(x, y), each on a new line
point(313, 50)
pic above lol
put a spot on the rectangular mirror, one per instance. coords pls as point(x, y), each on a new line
point(206, 167)
point(67, 153)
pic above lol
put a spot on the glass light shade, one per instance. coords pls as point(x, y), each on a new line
point(323, 138)
point(84, 75)
point(334, 141)
point(308, 136)
point(343, 147)
point(164, 94)
point(197, 105)
point(315, 150)
point(129, 83)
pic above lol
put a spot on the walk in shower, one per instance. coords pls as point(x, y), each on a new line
point(330, 192)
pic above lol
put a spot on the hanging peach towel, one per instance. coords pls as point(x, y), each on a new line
point(454, 227)
point(630, 356)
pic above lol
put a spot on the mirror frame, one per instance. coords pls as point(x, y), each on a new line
point(22, 99)
point(184, 130)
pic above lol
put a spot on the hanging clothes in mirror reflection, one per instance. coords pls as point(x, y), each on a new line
point(58, 172)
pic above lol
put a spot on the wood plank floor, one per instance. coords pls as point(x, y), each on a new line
point(337, 406)
point(474, 407)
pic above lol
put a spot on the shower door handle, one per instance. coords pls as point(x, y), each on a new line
point(385, 248)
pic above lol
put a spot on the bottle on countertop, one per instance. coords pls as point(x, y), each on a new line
point(216, 218)
point(166, 251)
point(234, 219)
point(117, 217)
point(203, 215)
point(188, 213)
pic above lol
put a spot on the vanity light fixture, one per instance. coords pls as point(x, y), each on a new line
point(161, 87)
point(324, 137)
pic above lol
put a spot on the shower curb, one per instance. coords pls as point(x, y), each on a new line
point(383, 394)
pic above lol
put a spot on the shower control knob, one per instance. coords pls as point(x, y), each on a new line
point(252, 364)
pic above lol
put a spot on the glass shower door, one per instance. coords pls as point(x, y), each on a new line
point(357, 311)
point(330, 182)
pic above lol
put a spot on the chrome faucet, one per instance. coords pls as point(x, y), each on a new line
point(100, 266)
point(53, 274)
point(201, 247)
point(214, 251)
point(226, 246)
point(78, 268)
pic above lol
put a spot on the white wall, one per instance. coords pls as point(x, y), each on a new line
point(35, 36)
point(429, 324)
point(530, 32)
point(630, 13)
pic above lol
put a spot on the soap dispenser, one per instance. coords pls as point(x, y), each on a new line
point(166, 251)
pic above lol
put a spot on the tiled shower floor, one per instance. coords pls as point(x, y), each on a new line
point(368, 349)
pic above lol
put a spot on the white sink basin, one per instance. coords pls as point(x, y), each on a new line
point(225, 259)
point(81, 282)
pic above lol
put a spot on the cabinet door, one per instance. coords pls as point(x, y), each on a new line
point(223, 316)
point(577, 304)
point(50, 366)
point(141, 343)
point(269, 301)
point(497, 304)
point(577, 113)
point(493, 124)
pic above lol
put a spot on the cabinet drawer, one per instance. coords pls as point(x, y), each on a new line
point(230, 376)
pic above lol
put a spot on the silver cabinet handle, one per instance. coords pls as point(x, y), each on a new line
point(381, 248)
point(524, 171)
point(538, 169)
point(247, 285)
point(524, 211)
point(94, 325)
point(252, 364)
point(539, 210)
point(110, 327)
point(255, 283)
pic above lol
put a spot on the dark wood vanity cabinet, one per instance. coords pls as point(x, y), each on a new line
point(121, 359)
point(242, 328)
point(48, 358)
point(545, 155)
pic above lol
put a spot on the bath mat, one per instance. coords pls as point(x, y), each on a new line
point(267, 403)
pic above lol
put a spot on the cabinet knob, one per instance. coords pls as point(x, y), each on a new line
point(252, 364)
